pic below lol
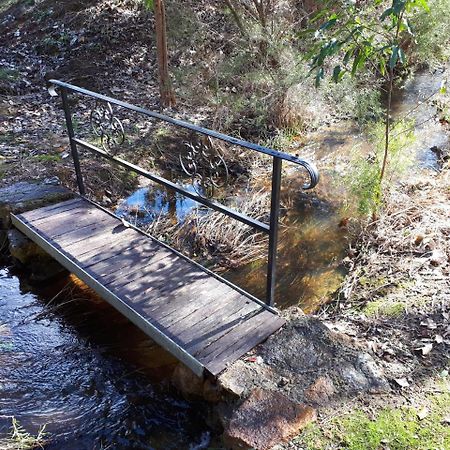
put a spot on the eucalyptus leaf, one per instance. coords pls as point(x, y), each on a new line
point(394, 57)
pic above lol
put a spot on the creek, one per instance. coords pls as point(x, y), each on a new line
point(78, 366)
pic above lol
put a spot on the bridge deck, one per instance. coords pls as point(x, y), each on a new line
point(202, 321)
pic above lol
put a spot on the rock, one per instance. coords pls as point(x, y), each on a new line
point(302, 352)
point(189, 384)
point(320, 391)
point(264, 419)
point(21, 248)
point(28, 254)
point(438, 258)
point(25, 196)
point(211, 391)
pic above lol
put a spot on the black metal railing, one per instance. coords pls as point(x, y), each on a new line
point(110, 129)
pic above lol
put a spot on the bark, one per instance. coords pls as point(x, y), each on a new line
point(387, 124)
point(165, 86)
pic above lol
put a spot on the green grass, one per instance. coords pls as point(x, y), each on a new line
point(396, 429)
point(48, 158)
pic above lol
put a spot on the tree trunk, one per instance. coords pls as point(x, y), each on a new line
point(165, 86)
point(387, 124)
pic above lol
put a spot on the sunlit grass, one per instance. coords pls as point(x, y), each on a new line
point(393, 428)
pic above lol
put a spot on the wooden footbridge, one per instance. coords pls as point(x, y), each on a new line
point(202, 319)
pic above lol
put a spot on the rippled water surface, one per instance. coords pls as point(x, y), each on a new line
point(86, 372)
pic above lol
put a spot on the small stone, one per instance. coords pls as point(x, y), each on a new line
point(264, 419)
point(402, 382)
point(283, 382)
point(422, 413)
point(52, 181)
point(106, 200)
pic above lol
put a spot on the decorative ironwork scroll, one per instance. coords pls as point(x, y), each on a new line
point(107, 127)
point(205, 164)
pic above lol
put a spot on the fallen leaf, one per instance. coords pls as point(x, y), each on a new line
point(429, 323)
point(403, 382)
point(251, 359)
point(425, 349)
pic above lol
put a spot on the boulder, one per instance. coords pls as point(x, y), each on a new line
point(25, 196)
point(29, 255)
point(189, 384)
point(265, 419)
point(307, 362)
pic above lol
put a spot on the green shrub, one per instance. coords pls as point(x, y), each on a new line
point(433, 34)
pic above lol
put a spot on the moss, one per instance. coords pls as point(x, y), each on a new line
point(396, 429)
point(384, 307)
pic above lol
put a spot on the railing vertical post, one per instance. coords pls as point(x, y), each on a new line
point(73, 145)
point(273, 233)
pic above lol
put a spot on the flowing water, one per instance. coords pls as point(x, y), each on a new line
point(86, 372)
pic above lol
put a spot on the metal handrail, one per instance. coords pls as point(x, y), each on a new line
point(278, 157)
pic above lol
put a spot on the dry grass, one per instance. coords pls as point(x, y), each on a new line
point(407, 245)
point(218, 238)
point(20, 439)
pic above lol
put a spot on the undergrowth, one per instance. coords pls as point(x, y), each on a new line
point(391, 428)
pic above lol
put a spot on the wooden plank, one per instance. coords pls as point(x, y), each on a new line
point(164, 301)
point(108, 240)
point(46, 210)
point(166, 275)
point(220, 301)
point(205, 299)
point(81, 234)
point(218, 324)
point(56, 226)
point(58, 214)
point(128, 265)
point(239, 341)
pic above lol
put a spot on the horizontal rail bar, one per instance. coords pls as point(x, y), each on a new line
point(260, 226)
point(309, 167)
